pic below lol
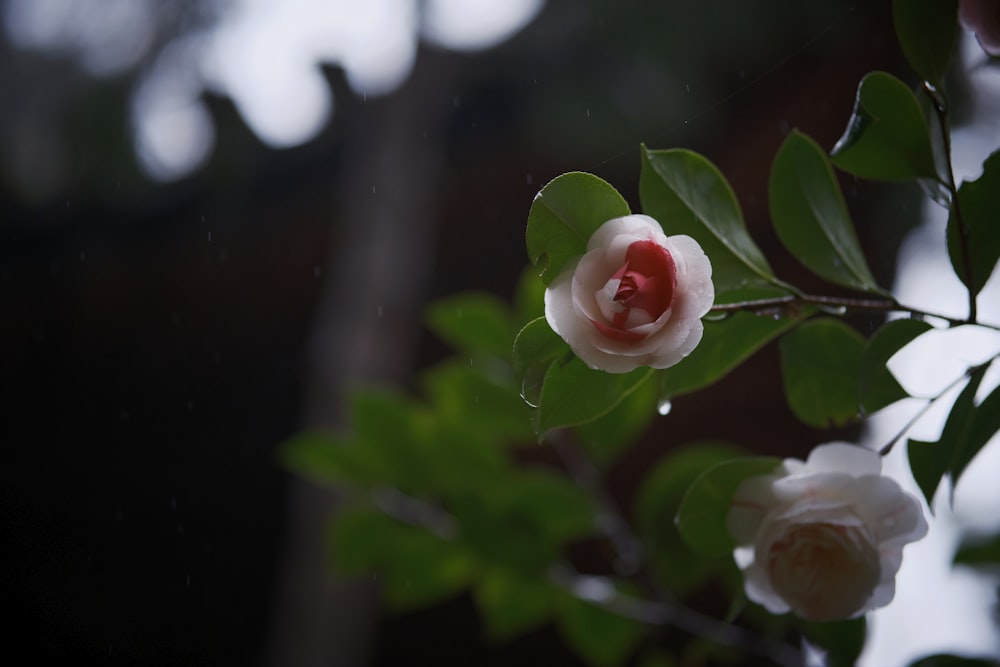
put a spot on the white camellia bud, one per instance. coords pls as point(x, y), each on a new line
point(636, 298)
point(823, 538)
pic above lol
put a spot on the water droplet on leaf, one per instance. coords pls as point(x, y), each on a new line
point(664, 406)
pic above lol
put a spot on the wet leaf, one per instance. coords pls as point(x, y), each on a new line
point(607, 436)
point(573, 393)
point(657, 503)
point(926, 31)
point(811, 218)
point(688, 195)
point(563, 216)
point(725, 345)
point(820, 364)
point(701, 518)
point(887, 137)
point(536, 348)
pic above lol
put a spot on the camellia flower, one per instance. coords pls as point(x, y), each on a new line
point(823, 538)
point(982, 17)
point(636, 298)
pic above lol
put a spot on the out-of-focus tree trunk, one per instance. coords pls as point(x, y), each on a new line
point(366, 329)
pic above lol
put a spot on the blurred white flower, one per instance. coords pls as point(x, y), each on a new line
point(823, 538)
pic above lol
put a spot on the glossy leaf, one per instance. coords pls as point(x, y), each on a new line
point(607, 436)
point(688, 195)
point(529, 297)
point(725, 345)
point(657, 503)
point(474, 323)
point(573, 393)
point(887, 137)
point(926, 31)
point(536, 347)
point(811, 218)
point(820, 364)
point(701, 518)
point(602, 638)
point(877, 387)
point(980, 207)
point(563, 216)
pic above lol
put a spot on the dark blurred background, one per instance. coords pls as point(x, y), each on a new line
point(166, 325)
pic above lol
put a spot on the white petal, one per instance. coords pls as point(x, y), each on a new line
point(843, 457)
point(636, 224)
point(894, 516)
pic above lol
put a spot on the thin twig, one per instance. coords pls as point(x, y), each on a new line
point(930, 403)
point(941, 112)
point(770, 304)
point(659, 608)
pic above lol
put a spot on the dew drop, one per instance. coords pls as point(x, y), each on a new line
point(664, 406)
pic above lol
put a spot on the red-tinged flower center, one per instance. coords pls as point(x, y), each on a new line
point(646, 282)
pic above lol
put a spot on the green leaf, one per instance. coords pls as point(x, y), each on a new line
point(415, 568)
point(574, 394)
point(701, 518)
point(887, 136)
point(877, 387)
point(536, 347)
point(542, 509)
point(529, 296)
point(511, 604)
point(811, 218)
point(474, 323)
point(563, 216)
point(926, 31)
point(606, 436)
point(841, 640)
point(724, 346)
point(478, 399)
point(656, 505)
point(985, 424)
point(602, 638)
point(820, 365)
point(688, 195)
point(325, 458)
point(979, 552)
point(980, 208)
point(930, 461)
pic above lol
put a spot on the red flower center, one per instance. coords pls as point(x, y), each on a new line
point(647, 282)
